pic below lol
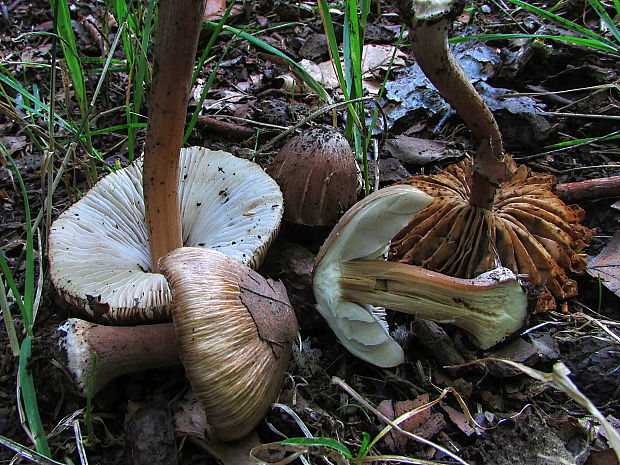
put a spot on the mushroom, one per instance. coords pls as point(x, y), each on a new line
point(99, 255)
point(248, 347)
point(317, 173)
point(352, 283)
point(472, 225)
point(235, 330)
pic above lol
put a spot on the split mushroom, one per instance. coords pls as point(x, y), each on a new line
point(317, 173)
point(235, 330)
point(99, 247)
point(487, 212)
point(352, 283)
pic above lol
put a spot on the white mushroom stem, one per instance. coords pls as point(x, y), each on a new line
point(489, 307)
point(429, 22)
point(176, 40)
point(353, 283)
point(120, 350)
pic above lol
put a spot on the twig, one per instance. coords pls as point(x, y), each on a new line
point(340, 383)
point(590, 189)
point(581, 115)
point(230, 130)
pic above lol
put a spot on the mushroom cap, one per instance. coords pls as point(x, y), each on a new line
point(235, 330)
point(529, 230)
point(363, 232)
point(99, 254)
point(317, 173)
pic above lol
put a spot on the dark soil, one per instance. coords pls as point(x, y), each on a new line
point(524, 421)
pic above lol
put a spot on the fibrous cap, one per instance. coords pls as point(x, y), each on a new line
point(235, 330)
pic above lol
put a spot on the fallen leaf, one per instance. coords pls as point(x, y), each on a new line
point(418, 151)
point(459, 419)
point(606, 265)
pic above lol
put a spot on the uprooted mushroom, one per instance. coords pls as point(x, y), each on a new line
point(105, 252)
point(234, 330)
point(487, 212)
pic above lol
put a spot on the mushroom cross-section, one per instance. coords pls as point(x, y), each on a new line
point(235, 330)
point(352, 283)
point(99, 252)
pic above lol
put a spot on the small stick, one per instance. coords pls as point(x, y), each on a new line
point(229, 130)
point(591, 189)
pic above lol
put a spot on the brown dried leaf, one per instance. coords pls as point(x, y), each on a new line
point(606, 265)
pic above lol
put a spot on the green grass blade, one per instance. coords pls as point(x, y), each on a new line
point(332, 46)
point(365, 444)
point(116, 127)
point(574, 27)
point(214, 34)
point(574, 142)
point(8, 275)
point(8, 320)
point(320, 441)
point(29, 398)
point(23, 451)
point(17, 87)
point(600, 10)
point(141, 78)
point(27, 299)
point(69, 48)
point(205, 89)
point(375, 114)
point(309, 80)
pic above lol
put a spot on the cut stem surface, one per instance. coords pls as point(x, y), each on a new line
point(489, 307)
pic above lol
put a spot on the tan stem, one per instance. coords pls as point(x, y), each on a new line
point(120, 350)
point(430, 47)
point(176, 40)
point(490, 310)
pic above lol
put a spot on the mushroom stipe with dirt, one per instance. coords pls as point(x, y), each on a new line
point(486, 212)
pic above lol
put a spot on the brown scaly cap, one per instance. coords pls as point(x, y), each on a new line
point(235, 330)
point(318, 177)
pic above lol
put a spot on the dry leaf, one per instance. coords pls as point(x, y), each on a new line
point(606, 265)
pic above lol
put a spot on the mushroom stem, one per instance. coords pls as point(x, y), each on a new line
point(120, 350)
point(429, 23)
point(176, 40)
point(489, 307)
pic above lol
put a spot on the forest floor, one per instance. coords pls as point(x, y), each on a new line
point(519, 419)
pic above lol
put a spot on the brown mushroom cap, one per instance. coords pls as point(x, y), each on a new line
point(318, 177)
point(235, 330)
point(529, 230)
